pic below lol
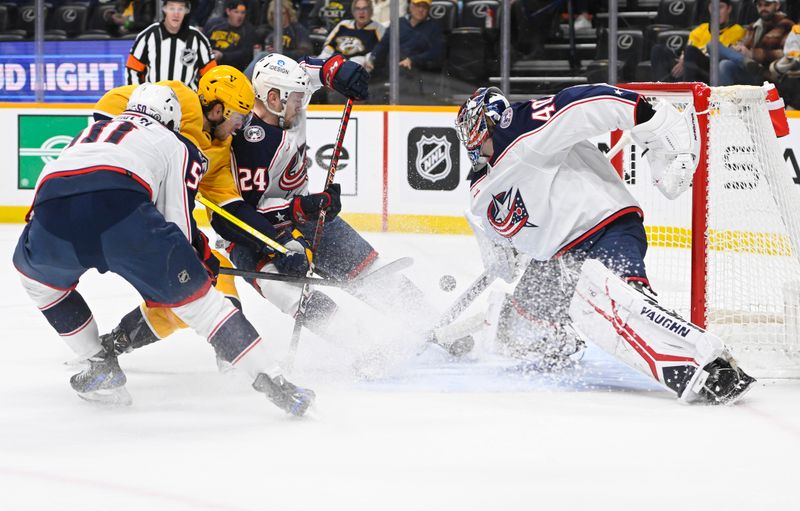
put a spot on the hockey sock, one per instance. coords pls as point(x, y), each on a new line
point(70, 316)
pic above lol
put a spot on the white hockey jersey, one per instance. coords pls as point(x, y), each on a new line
point(547, 188)
point(135, 145)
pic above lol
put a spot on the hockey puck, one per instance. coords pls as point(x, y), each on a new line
point(447, 283)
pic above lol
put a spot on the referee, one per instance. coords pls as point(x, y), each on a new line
point(170, 50)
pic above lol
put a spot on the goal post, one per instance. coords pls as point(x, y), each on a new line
point(727, 253)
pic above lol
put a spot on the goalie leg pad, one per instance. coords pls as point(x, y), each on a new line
point(641, 333)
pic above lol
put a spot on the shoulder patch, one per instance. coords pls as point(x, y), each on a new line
point(254, 134)
point(505, 120)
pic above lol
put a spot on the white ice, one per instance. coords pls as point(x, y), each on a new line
point(428, 434)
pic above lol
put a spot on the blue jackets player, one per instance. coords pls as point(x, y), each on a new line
point(545, 198)
point(116, 200)
point(269, 164)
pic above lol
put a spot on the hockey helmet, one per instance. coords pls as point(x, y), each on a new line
point(481, 112)
point(230, 87)
point(157, 101)
point(276, 71)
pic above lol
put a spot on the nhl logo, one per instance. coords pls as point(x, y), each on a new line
point(188, 57)
point(433, 158)
point(183, 277)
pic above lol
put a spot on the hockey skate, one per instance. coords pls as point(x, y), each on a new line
point(103, 381)
point(287, 396)
point(721, 382)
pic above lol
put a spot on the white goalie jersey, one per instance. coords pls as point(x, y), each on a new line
point(547, 188)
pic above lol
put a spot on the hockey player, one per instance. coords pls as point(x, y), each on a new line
point(116, 200)
point(221, 106)
point(270, 164)
point(541, 190)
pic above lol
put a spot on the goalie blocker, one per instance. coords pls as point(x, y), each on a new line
point(683, 358)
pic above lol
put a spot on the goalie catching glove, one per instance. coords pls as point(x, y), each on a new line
point(307, 207)
point(346, 77)
point(672, 141)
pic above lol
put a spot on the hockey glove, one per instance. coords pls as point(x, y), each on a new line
point(307, 207)
point(297, 260)
point(346, 77)
point(208, 259)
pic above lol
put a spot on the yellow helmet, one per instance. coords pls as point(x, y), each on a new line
point(230, 87)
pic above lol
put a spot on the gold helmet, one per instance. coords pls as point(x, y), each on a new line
point(230, 87)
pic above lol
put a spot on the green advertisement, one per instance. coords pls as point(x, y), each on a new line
point(41, 139)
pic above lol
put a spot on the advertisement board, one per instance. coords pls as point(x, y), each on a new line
point(73, 71)
point(402, 169)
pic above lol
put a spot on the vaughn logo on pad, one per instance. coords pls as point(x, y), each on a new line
point(433, 159)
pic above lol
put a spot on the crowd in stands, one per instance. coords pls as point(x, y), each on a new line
point(444, 43)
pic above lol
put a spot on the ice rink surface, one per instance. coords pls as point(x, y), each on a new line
point(424, 433)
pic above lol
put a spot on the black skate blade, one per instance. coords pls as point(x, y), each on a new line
point(108, 397)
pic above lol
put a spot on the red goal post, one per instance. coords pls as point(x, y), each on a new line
point(726, 254)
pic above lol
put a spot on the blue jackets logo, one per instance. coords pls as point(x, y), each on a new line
point(507, 213)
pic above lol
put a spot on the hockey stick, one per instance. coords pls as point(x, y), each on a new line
point(274, 245)
point(306, 293)
point(394, 266)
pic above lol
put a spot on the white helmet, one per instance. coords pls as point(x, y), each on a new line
point(276, 71)
point(159, 102)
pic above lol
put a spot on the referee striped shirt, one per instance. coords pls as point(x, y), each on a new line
point(158, 55)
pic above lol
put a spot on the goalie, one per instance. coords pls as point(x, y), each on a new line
point(541, 192)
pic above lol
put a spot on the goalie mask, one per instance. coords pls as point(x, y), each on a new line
point(158, 102)
point(478, 116)
point(290, 79)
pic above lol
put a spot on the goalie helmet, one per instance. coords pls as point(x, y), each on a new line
point(478, 114)
point(229, 86)
point(159, 102)
point(279, 72)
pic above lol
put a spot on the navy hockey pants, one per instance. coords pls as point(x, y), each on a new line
point(113, 230)
point(543, 293)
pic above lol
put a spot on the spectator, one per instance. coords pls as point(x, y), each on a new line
point(692, 64)
point(296, 40)
point(746, 63)
point(785, 72)
point(421, 42)
point(233, 37)
point(130, 16)
point(170, 50)
point(382, 13)
point(354, 38)
point(326, 14)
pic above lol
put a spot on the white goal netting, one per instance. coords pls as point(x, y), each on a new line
point(747, 270)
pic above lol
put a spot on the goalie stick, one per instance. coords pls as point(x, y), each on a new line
point(306, 293)
point(461, 345)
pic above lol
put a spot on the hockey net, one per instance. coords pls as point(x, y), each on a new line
point(727, 253)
